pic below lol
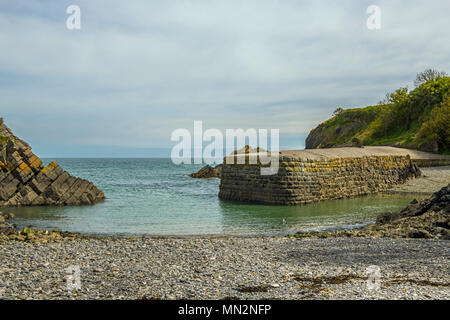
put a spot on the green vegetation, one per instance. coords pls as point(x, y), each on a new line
point(418, 119)
point(3, 139)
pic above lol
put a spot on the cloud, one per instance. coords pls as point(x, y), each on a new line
point(136, 71)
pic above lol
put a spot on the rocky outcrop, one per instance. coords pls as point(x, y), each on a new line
point(216, 172)
point(208, 172)
point(24, 181)
point(428, 219)
point(8, 231)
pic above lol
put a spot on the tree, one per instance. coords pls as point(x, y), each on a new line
point(402, 107)
point(437, 128)
point(427, 75)
point(385, 121)
point(399, 96)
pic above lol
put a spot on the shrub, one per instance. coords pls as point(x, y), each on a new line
point(437, 128)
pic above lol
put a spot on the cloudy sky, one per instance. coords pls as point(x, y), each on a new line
point(137, 70)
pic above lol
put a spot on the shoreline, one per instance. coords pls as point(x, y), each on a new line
point(433, 178)
point(225, 267)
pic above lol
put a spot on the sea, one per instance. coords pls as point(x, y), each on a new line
point(156, 197)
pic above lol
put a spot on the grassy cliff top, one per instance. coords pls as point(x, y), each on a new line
point(416, 119)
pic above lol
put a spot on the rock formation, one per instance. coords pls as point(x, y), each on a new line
point(24, 181)
point(216, 172)
point(208, 172)
point(429, 218)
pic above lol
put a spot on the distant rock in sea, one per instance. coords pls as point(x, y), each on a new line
point(216, 172)
point(24, 181)
point(208, 172)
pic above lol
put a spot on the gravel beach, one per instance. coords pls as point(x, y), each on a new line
point(225, 268)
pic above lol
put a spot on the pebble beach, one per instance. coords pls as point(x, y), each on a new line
point(226, 268)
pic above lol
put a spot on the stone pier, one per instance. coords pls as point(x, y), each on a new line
point(307, 176)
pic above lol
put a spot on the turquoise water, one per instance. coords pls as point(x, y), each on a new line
point(154, 196)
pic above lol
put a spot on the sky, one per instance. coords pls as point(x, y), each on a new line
point(138, 70)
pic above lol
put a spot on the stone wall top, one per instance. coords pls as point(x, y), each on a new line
point(352, 152)
point(419, 157)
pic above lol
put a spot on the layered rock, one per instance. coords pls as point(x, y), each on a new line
point(216, 172)
point(428, 219)
point(24, 181)
point(208, 172)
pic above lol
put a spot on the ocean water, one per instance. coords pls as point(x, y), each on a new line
point(154, 196)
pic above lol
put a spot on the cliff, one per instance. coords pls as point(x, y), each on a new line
point(24, 181)
point(417, 119)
